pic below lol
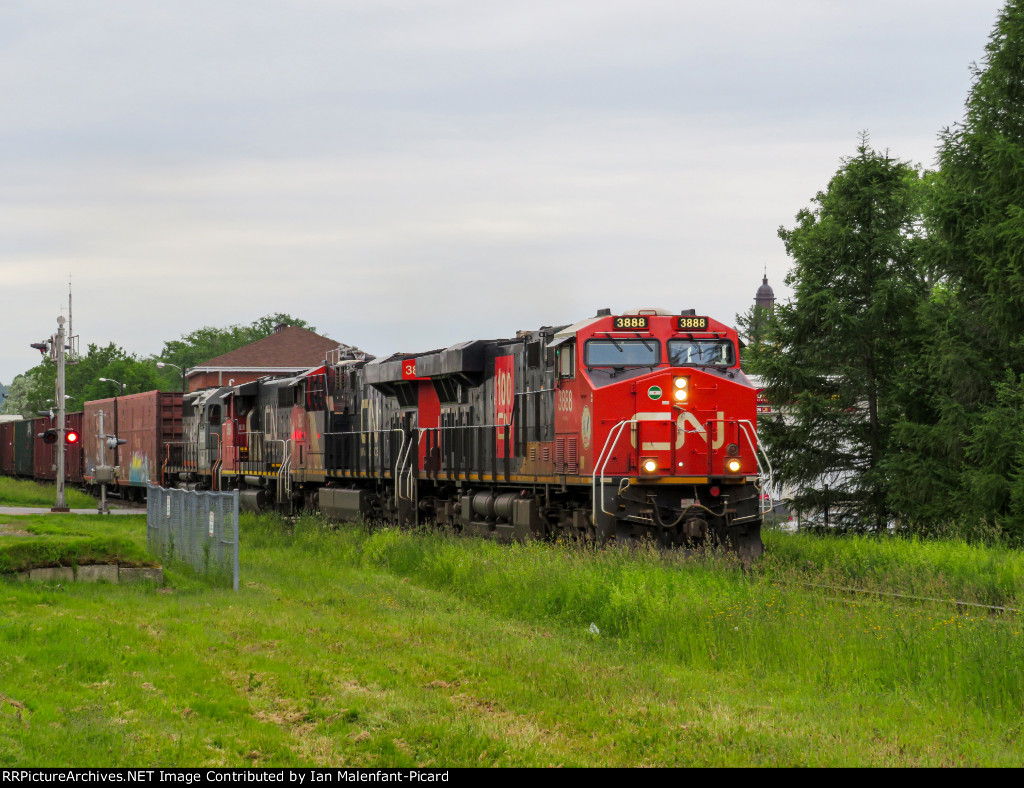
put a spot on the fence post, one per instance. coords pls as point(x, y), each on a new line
point(234, 496)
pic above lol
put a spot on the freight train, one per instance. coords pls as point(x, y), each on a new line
point(619, 427)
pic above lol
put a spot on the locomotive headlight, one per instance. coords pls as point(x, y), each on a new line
point(681, 383)
point(649, 465)
point(680, 389)
point(734, 465)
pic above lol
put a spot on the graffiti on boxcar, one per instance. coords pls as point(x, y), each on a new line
point(138, 471)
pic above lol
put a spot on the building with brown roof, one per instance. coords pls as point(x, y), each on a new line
point(288, 351)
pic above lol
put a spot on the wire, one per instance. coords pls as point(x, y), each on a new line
point(902, 596)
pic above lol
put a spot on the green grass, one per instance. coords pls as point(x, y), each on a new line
point(21, 492)
point(987, 574)
point(70, 540)
point(353, 647)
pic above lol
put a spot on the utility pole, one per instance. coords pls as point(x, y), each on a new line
point(58, 349)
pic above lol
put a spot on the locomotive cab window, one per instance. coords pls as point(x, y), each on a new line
point(623, 352)
point(566, 355)
point(701, 352)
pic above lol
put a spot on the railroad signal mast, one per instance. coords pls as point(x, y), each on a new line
point(63, 353)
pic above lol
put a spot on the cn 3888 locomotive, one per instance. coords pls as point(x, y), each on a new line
point(626, 426)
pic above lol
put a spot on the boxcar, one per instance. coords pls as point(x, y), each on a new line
point(146, 422)
point(73, 453)
point(45, 460)
point(44, 455)
point(7, 445)
point(24, 448)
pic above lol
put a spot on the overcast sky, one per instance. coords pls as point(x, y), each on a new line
point(406, 175)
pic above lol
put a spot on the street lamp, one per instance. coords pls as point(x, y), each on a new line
point(119, 383)
point(162, 364)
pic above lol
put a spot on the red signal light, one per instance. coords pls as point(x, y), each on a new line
point(71, 436)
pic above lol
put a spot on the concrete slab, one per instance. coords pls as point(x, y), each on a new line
point(59, 574)
point(97, 572)
point(152, 574)
point(39, 510)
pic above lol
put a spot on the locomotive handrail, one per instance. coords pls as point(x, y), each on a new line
point(218, 462)
point(758, 450)
point(424, 430)
point(400, 459)
point(759, 453)
point(373, 432)
point(403, 462)
point(602, 462)
point(284, 471)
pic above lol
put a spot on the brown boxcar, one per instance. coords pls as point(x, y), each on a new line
point(24, 444)
point(73, 453)
point(7, 447)
point(44, 455)
point(146, 421)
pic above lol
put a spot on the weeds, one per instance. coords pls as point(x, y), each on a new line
point(370, 646)
point(21, 492)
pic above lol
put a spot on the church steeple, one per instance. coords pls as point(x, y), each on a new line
point(765, 297)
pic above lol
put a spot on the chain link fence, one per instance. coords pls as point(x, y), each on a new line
point(198, 528)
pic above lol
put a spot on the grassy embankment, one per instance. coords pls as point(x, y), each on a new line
point(60, 540)
point(21, 492)
point(349, 647)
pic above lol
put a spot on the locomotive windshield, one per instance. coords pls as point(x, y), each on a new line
point(623, 352)
point(701, 352)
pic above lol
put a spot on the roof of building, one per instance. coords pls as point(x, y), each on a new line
point(765, 294)
point(289, 347)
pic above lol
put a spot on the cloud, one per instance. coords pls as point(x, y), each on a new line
point(413, 174)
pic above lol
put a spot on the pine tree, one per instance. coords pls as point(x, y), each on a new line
point(964, 451)
point(834, 356)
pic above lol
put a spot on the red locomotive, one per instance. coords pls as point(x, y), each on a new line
point(622, 426)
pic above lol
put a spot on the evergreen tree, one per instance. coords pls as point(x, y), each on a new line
point(834, 357)
point(753, 327)
point(964, 451)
